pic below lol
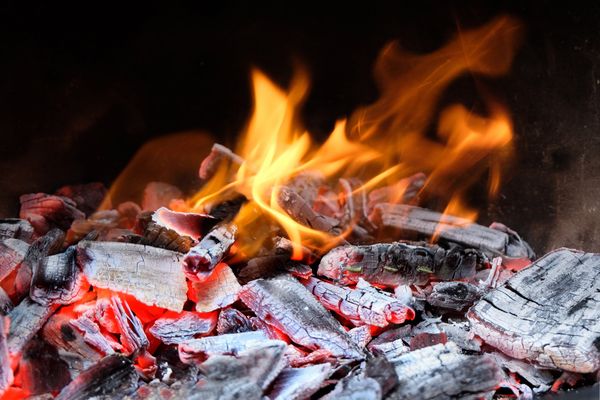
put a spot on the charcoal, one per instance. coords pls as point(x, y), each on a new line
point(159, 194)
point(225, 390)
point(218, 154)
point(133, 337)
point(264, 267)
point(232, 321)
point(92, 335)
point(460, 334)
point(391, 350)
point(63, 332)
point(172, 369)
point(299, 383)
point(46, 211)
point(153, 234)
point(547, 313)
point(393, 264)
point(101, 221)
point(442, 372)
point(44, 246)
point(285, 246)
point(355, 387)
point(87, 197)
point(26, 320)
point(355, 212)
point(284, 303)
point(301, 211)
point(405, 191)
point(114, 375)
point(200, 261)
point(185, 224)
point(41, 370)
point(383, 372)
point(6, 304)
point(360, 306)
point(456, 296)
point(152, 275)
point(540, 379)
point(178, 328)
point(6, 372)
point(271, 331)
point(297, 358)
point(220, 289)
point(361, 335)
point(494, 242)
point(12, 253)
point(58, 279)
point(15, 228)
point(227, 209)
point(199, 349)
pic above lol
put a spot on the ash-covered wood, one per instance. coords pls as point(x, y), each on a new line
point(12, 253)
point(41, 370)
point(15, 228)
point(286, 304)
point(299, 383)
point(113, 376)
point(405, 191)
point(457, 296)
point(547, 313)
point(442, 372)
point(540, 379)
point(133, 337)
point(26, 320)
point(159, 194)
point(92, 335)
point(210, 164)
point(360, 306)
point(302, 212)
point(88, 197)
point(178, 328)
point(361, 335)
point(453, 229)
point(199, 262)
point(372, 380)
point(49, 244)
point(46, 211)
point(219, 290)
point(199, 349)
point(61, 332)
point(393, 264)
point(152, 275)
point(154, 234)
point(6, 304)
point(6, 372)
point(232, 321)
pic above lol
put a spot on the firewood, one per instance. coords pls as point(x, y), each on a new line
point(25, 321)
point(159, 194)
point(15, 228)
point(133, 337)
point(360, 306)
point(178, 328)
point(49, 244)
point(393, 264)
point(197, 350)
point(270, 265)
point(442, 372)
point(373, 380)
point(152, 275)
point(12, 253)
point(457, 296)
point(193, 225)
point(46, 211)
point(92, 335)
point(405, 191)
point(301, 211)
point(299, 383)
point(217, 291)
point(41, 370)
point(355, 211)
point(60, 332)
point(546, 313)
point(361, 335)
point(540, 379)
point(199, 262)
point(100, 221)
point(6, 372)
point(153, 234)
point(114, 375)
point(218, 154)
point(87, 197)
point(232, 321)
point(284, 303)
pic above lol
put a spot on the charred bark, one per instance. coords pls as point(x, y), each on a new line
point(25, 321)
point(199, 262)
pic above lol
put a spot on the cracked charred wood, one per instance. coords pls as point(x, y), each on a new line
point(41, 370)
point(43, 247)
point(170, 367)
point(299, 383)
point(93, 336)
point(88, 197)
point(232, 321)
point(26, 320)
point(394, 264)
point(133, 337)
point(210, 164)
point(153, 234)
point(152, 275)
point(15, 228)
point(226, 210)
point(380, 369)
point(420, 221)
point(6, 304)
point(355, 212)
point(60, 331)
point(361, 335)
point(193, 225)
point(46, 211)
point(114, 375)
point(547, 313)
point(270, 265)
point(6, 372)
point(12, 253)
point(540, 379)
point(200, 261)
point(442, 372)
point(58, 279)
point(159, 194)
point(220, 289)
point(405, 191)
point(287, 305)
point(456, 296)
point(360, 306)
point(392, 350)
point(174, 328)
point(301, 211)
point(232, 343)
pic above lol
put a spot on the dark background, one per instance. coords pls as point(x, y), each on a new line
point(82, 90)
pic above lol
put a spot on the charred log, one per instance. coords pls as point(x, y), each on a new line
point(232, 321)
point(15, 228)
point(153, 234)
point(175, 329)
point(46, 211)
point(199, 262)
point(220, 289)
point(197, 350)
point(301, 211)
point(41, 370)
point(456, 296)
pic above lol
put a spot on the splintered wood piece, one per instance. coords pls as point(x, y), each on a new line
point(547, 313)
point(88, 197)
point(394, 264)
point(153, 234)
point(12, 253)
point(60, 331)
point(540, 379)
point(41, 370)
point(133, 337)
point(405, 191)
point(58, 279)
point(232, 321)
point(15, 228)
point(6, 372)
point(425, 222)
point(287, 305)
point(26, 320)
point(361, 335)
point(45, 211)
point(159, 194)
point(186, 224)
point(217, 291)
point(360, 306)
point(200, 261)
point(457, 296)
point(301, 211)
point(211, 163)
point(199, 349)
point(91, 334)
point(152, 275)
point(299, 383)
point(174, 328)
point(114, 375)
point(100, 221)
point(44, 246)
point(441, 372)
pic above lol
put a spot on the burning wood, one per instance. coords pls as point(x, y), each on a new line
point(90, 333)
point(179, 328)
point(25, 321)
point(232, 321)
point(301, 211)
point(46, 211)
point(41, 370)
point(133, 337)
point(15, 228)
point(299, 383)
point(185, 224)
point(152, 275)
point(12, 253)
point(218, 291)
point(405, 191)
point(457, 296)
point(199, 262)
point(273, 264)
point(156, 235)
point(232, 343)
point(284, 303)
point(217, 155)
point(533, 317)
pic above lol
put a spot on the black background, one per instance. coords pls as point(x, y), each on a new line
point(82, 89)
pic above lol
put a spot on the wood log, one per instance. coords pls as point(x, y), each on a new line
point(547, 313)
point(200, 261)
point(153, 234)
point(299, 383)
point(194, 225)
point(301, 211)
point(25, 321)
point(178, 328)
point(284, 303)
point(217, 291)
point(15, 228)
point(46, 211)
point(152, 275)
point(49, 244)
point(405, 191)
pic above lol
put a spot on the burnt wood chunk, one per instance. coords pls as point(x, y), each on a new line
point(12, 253)
point(199, 349)
point(114, 375)
point(61, 332)
point(210, 164)
point(427, 223)
point(6, 372)
point(58, 279)
point(153, 234)
point(87, 197)
point(91, 334)
point(547, 313)
point(26, 320)
point(179, 328)
point(299, 383)
point(6, 304)
point(456, 296)
point(232, 321)
point(302, 212)
point(220, 289)
point(41, 370)
point(186, 224)
point(15, 228)
point(152, 275)
point(394, 264)
point(46, 211)
point(355, 212)
point(287, 305)
point(199, 262)
point(442, 372)
point(133, 337)
point(44, 246)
